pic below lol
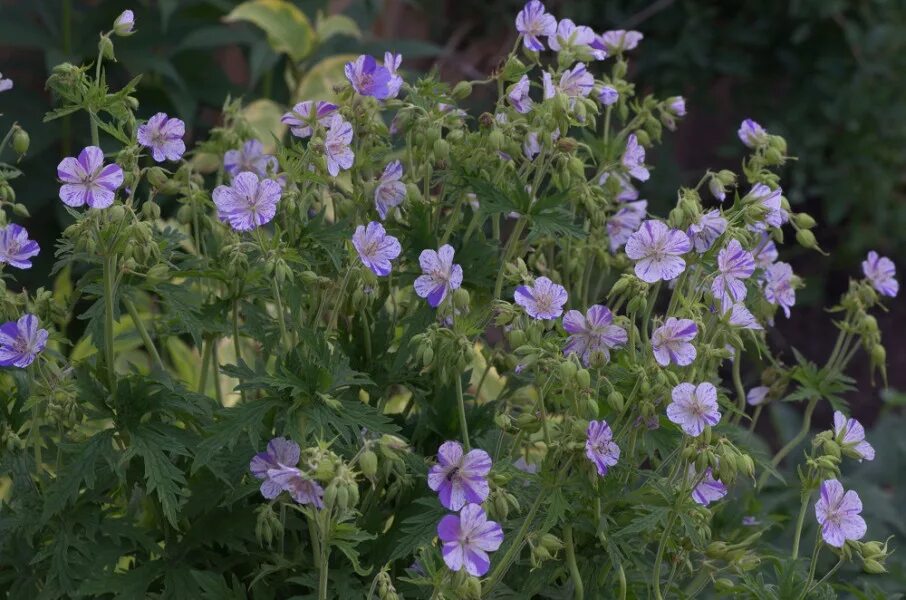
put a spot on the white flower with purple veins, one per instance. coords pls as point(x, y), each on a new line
point(21, 341)
point(574, 82)
point(376, 247)
point(694, 407)
point(881, 273)
point(392, 62)
point(336, 146)
point(368, 78)
point(657, 250)
point(276, 468)
point(757, 395)
point(770, 200)
point(837, 511)
point(16, 248)
point(542, 300)
point(672, 342)
point(390, 191)
point(459, 478)
point(163, 136)
point(752, 134)
point(850, 434)
point(708, 489)
point(534, 22)
point(531, 147)
point(305, 114)
point(625, 222)
point(765, 253)
point(592, 332)
point(247, 203)
point(778, 286)
point(6, 84)
point(571, 36)
point(710, 226)
point(608, 95)
point(677, 106)
point(633, 159)
point(519, 95)
point(740, 316)
point(87, 180)
point(467, 538)
point(440, 276)
point(250, 157)
point(600, 448)
point(124, 25)
point(620, 40)
point(734, 264)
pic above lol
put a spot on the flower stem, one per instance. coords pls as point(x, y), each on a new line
point(579, 589)
point(806, 496)
point(205, 359)
point(461, 404)
point(781, 454)
point(811, 570)
point(507, 250)
point(143, 333)
point(502, 567)
point(740, 390)
point(109, 274)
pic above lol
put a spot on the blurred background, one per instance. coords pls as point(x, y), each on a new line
point(829, 75)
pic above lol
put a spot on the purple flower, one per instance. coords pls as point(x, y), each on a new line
point(717, 189)
point(531, 146)
point(765, 253)
point(533, 22)
point(247, 203)
point(838, 514)
point(460, 478)
point(87, 180)
point(657, 249)
point(569, 35)
point(542, 300)
point(608, 95)
point(392, 62)
point(740, 316)
point(5, 84)
point(633, 159)
point(757, 395)
point(525, 466)
point(376, 247)
point(250, 157)
point(709, 489)
point(519, 95)
point(752, 134)
point(677, 106)
point(124, 24)
point(592, 332)
point(627, 192)
point(164, 136)
point(21, 341)
point(336, 145)
point(574, 82)
point(276, 467)
point(694, 407)
point(625, 222)
point(440, 275)
point(750, 521)
point(734, 264)
point(368, 78)
point(618, 40)
point(769, 199)
point(305, 114)
point(390, 191)
point(850, 434)
point(467, 539)
point(599, 446)
point(710, 226)
point(880, 272)
point(16, 248)
point(778, 286)
point(671, 342)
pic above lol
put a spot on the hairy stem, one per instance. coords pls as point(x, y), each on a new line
point(461, 405)
point(799, 523)
point(143, 333)
point(109, 275)
point(579, 589)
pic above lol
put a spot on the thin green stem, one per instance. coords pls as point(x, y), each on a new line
point(237, 345)
point(205, 359)
point(325, 557)
point(504, 564)
point(461, 405)
point(737, 383)
point(799, 523)
point(811, 570)
point(143, 333)
point(508, 249)
point(110, 263)
point(578, 588)
point(781, 454)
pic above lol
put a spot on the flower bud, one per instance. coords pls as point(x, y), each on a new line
point(496, 139)
point(513, 69)
point(583, 378)
point(124, 24)
point(568, 370)
point(643, 138)
point(21, 141)
point(804, 220)
point(105, 48)
point(462, 90)
point(461, 298)
point(874, 567)
point(368, 462)
point(615, 401)
point(21, 210)
point(157, 177)
point(806, 239)
point(567, 145)
point(441, 149)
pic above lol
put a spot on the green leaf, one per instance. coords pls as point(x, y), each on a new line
point(288, 29)
point(345, 537)
point(328, 27)
point(161, 475)
point(65, 488)
point(319, 81)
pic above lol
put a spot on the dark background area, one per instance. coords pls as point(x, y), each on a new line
point(829, 75)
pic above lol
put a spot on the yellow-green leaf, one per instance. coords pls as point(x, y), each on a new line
point(337, 25)
point(264, 117)
point(317, 83)
point(288, 29)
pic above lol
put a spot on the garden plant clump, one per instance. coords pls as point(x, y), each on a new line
point(400, 350)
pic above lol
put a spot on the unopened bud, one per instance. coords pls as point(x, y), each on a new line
point(368, 462)
point(21, 141)
point(462, 90)
point(105, 48)
point(806, 239)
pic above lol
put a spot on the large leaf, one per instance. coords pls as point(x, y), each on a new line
point(332, 25)
point(318, 82)
point(288, 29)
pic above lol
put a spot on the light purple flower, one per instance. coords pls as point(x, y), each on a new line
point(752, 134)
point(163, 136)
point(770, 199)
point(657, 249)
point(677, 106)
point(390, 191)
point(765, 253)
point(881, 272)
point(276, 468)
point(440, 277)
point(709, 489)
point(542, 300)
point(838, 514)
point(717, 189)
point(519, 95)
point(368, 78)
point(534, 22)
point(600, 448)
point(694, 407)
point(625, 222)
point(576, 82)
point(376, 247)
point(570, 36)
point(460, 478)
point(750, 521)
point(87, 180)
point(16, 248)
point(5, 84)
point(467, 538)
point(619, 40)
point(608, 95)
point(305, 114)
point(778, 286)
point(531, 146)
point(21, 341)
point(247, 203)
point(740, 316)
point(392, 62)
point(734, 264)
point(592, 332)
point(627, 192)
point(336, 145)
point(250, 157)
point(124, 25)
point(850, 434)
point(525, 466)
point(757, 395)
point(633, 159)
point(710, 226)
point(671, 342)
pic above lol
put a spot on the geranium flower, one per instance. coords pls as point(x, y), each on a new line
point(881, 273)
point(599, 446)
point(633, 159)
point(752, 134)
point(571, 36)
point(440, 276)
point(592, 332)
point(625, 222)
point(657, 249)
point(16, 248)
point(671, 342)
point(775, 215)
point(703, 233)
point(336, 145)
point(467, 538)
point(850, 434)
point(304, 114)
point(534, 22)
point(694, 407)
point(608, 95)
point(6, 84)
point(460, 478)
point(87, 180)
point(740, 316)
point(778, 286)
point(368, 78)
point(250, 157)
point(124, 25)
point(376, 247)
point(392, 62)
point(247, 203)
point(765, 253)
point(734, 264)
point(21, 341)
point(708, 489)
point(276, 468)
point(757, 395)
point(542, 300)
point(519, 97)
point(390, 191)
point(163, 135)
point(838, 514)
point(620, 40)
